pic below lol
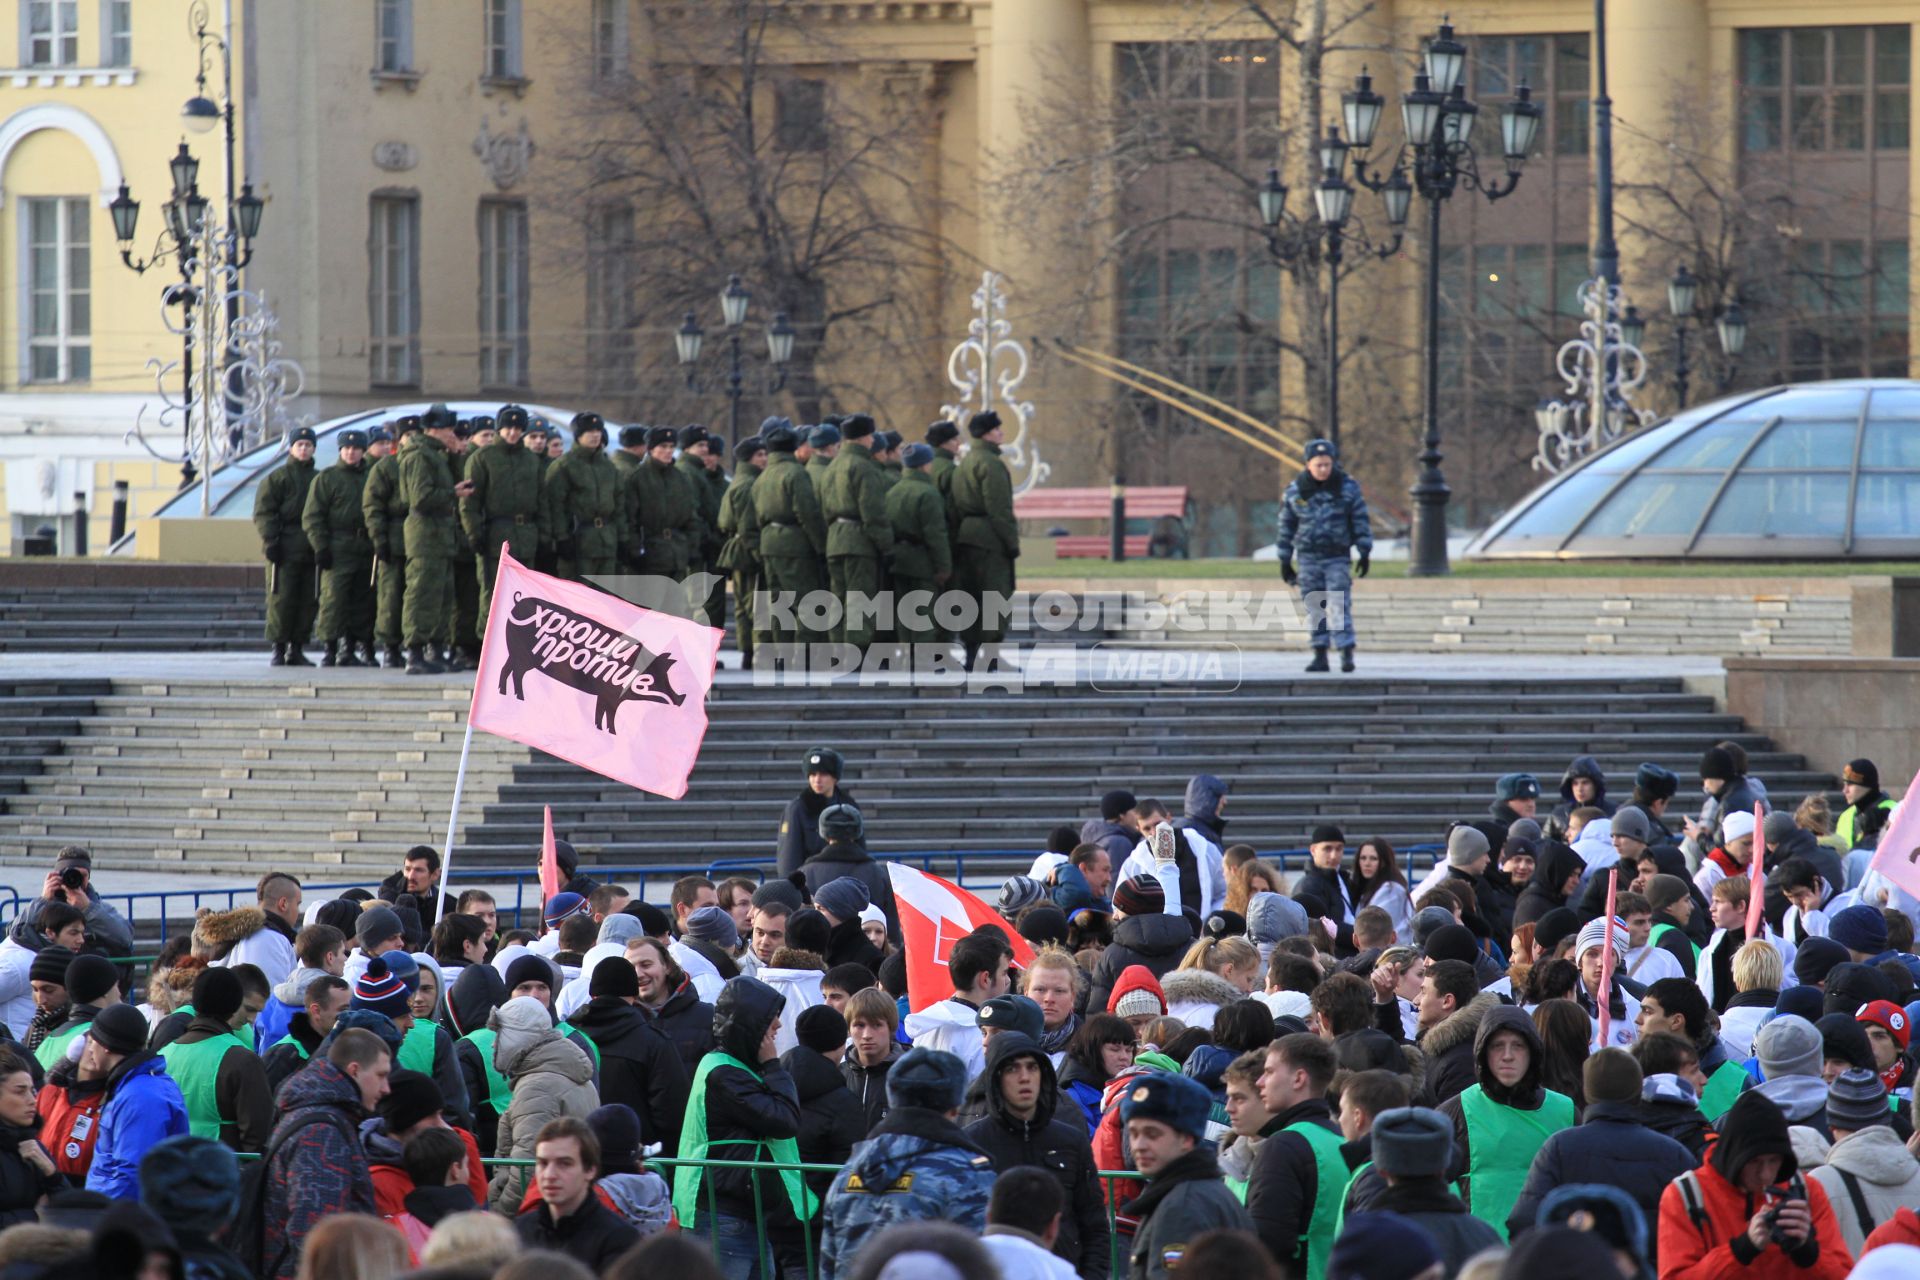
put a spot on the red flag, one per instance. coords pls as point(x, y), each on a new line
point(1756, 876)
point(1898, 855)
point(935, 914)
point(561, 661)
point(549, 860)
point(1605, 997)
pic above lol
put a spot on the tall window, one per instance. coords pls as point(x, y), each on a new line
point(1554, 67)
point(800, 115)
point(393, 40)
point(51, 33)
point(503, 39)
point(59, 320)
point(116, 33)
point(393, 291)
point(1841, 89)
point(610, 299)
point(609, 38)
point(503, 293)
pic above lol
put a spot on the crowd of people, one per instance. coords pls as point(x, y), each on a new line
point(1202, 1065)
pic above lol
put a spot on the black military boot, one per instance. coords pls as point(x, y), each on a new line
point(419, 664)
point(395, 659)
point(1346, 658)
point(450, 660)
point(349, 654)
point(332, 654)
point(296, 657)
point(1319, 662)
point(279, 658)
point(369, 656)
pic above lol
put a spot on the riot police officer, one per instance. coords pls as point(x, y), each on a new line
point(1323, 516)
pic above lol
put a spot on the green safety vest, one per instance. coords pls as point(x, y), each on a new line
point(196, 1069)
point(1316, 1241)
point(1727, 1082)
point(416, 1047)
point(54, 1047)
point(695, 1146)
point(289, 1039)
point(1848, 816)
point(1501, 1144)
point(499, 1089)
point(593, 1050)
point(1662, 930)
point(245, 1036)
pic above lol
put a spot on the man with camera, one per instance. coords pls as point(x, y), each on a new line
point(71, 882)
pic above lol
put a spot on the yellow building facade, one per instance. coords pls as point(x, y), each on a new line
point(420, 239)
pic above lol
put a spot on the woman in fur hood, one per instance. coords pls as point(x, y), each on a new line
point(1214, 973)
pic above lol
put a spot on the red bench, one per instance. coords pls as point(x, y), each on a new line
point(1145, 502)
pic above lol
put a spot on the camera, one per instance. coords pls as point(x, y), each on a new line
point(73, 878)
point(1773, 1215)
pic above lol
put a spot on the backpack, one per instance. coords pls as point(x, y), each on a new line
point(246, 1237)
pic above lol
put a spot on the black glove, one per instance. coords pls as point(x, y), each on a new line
point(272, 552)
point(1366, 563)
point(323, 560)
point(1288, 574)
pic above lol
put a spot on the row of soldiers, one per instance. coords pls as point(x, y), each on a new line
point(398, 543)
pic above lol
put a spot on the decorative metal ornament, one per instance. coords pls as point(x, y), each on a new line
point(1601, 370)
point(987, 368)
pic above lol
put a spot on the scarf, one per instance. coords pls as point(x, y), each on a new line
point(44, 1022)
point(1056, 1041)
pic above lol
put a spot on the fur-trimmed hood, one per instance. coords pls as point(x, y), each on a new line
point(219, 930)
point(1198, 986)
point(1459, 1027)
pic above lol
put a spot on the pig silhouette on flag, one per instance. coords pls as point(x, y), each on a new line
point(560, 660)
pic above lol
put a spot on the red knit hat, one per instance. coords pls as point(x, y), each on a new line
point(1890, 1016)
point(1138, 981)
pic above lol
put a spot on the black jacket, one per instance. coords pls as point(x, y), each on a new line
point(638, 1066)
point(430, 1204)
point(1335, 894)
point(21, 1185)
point(1044, 1142)
point(592, 1234)
point(831, 1118)
point(832, 861)
point(1550, 871)
point(1608, 1146)
point(475, 994)
point(743, 1110)
point(869, 1084)
point(687, 1021)
point(431, 906)
point(1285, 1183)
point(1448, 1046)
point(1429, 1205)
point(848, 943)
point(283, 1059)
point(1156, 941)
point(1682, 1122)
point(800, 826)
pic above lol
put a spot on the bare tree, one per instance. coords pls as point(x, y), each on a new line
point(743, 141)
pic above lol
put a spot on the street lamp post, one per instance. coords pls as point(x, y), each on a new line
point(1437, 150)
point(1290, 240)
point(690, 338)
point(1731, 328)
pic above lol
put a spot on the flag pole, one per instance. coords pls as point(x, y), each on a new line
point(1756, 877)
point(453, 816)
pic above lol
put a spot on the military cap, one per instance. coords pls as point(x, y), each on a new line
point(781, 439)
point(352, 439)
point(539, 427)
point(833, 420)
point(585, 422)
point(692, 435)
point(1181, 1104)
point(842, 823)
point(482, 422)
point(941, 432)
point(824, 760)
point(376, 435)
point(748, 447)
point(774, 420)
point(462, 428)
point(302, 434)
point(1321, 449)
point(886, 441)
point(1013, 1014)
point(634, 437)
point(857, 426)
point(407, 423)
point(438, 416)
point(657, 436)
point(824, 436)
point(915, 456)
point(982, 422)
point(512, 415)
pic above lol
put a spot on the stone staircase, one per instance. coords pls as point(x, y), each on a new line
point(98, 619)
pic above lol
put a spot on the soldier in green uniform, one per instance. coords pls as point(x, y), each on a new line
point(583, 509)
point(853, 501)
point(886, 453)
point(291, 587)
point(504, 506)
point(692, 464)
point(462, 640)
point(632, 451)
point(740, 553)
point(922, 559)
point(944, 439)
point(384, 509)
point(337, 532)
point(824, 440)
point(663, 510)
point(986, 538)
point(793, 537)
point(717, 481)
point(432, 495)
point(535, 442)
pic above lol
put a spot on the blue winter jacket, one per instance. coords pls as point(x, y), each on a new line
point(144, 1107)
point(1324, 519)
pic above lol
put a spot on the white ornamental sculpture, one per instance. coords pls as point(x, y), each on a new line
point(987, 369)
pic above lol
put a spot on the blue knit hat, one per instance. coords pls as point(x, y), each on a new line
point(562, 905)
point(381, 990)
point(192, 1183)
point(932, 1078)
point(1183, 1104)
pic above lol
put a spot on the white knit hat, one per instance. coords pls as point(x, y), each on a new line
point(1594, 934)
point(1136, 1003)
point(1736, 826)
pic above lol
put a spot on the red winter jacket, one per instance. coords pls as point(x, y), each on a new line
point(1902, 1228)
point(1687, 1252)
point(69, 1127)
point(391, 1183)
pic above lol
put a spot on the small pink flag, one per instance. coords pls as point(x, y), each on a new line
point(585, 676)
point(1756, 876)
point(1898, 855)
point(549, 860)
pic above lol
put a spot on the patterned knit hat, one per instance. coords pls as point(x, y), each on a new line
point(380, 990)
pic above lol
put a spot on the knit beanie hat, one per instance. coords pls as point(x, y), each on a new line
point(1888, 1016)
point(217, 994)
point(1665, 890)
point(1806, 1002)
point(90, 977)
point(560, 906)
point(1594, 934)
point(1816, 958)
point(1327, 833)
point(1136, 992)
point(1845, 1039)
point(1452, 942)
point(1016, 895)
point(1857, 1099)
point(341, 914)
point(822, 1028)
point(412, 1096)
point(1555, 927)
point(846, 897)
point(1790, 1046)
point(784, 892)
point(379, 989)
point(930, 1078)
point(1860, 928)
point(119, 1028)
point(1633, 824)
point(1114, 803)
point(808, 930)
point(1737, 825)
point(1140, 896)
point(528, 968)
point(403, 966)
point(617, 1128)
point(613, 976)
point(1612, 1075)
point(191, 1183)
point(1778, 827)
point(1412, 1142)
point(1465, 846)
point(376, 925)
point(715, 925)
point(655, 923)
point(1041, 925)
point(1853, 984)
point(1862, 773)
point(50, 965)
point(1429, 921)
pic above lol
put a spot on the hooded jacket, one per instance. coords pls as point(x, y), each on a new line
point(1044, 1142)
point(288, 997)
point(1285, 1185)
point(687, 1021)
point(1551, 870)
point(552, 1077)
point(143, 1106)
point(475, 994)
point(1879, 1166)
point(800, 835)
point(321, 1170)
point(16, 959)
point(1526, 1095)
point(1802, 1099)
point(838, 859)
point(1582, 767)
point(1449, 1049)
point(1704, 1214)
point(916, 1167)
point(869, 1084)
point(1195, 996)
point(1116, 839)
point(831, 1118)
point(1677, 1117)
point(742, 1110)
point(392, 1184)
point(638, 1066)
point(247, 935)
point(1155, 942)
point(1610, 1146)
point(21, 1184)
point(952, 1026)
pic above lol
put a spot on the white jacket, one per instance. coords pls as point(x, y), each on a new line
point(1883, 1170)
point(574, 994)
point(268, 949)
point(801, 988)
point(1650, 964)
point(949, 1025)
point(699, 970)
point(1207, 860)
point(1393, 898)
point(1703, 978)
point(16, 997)
point(1019, 1257)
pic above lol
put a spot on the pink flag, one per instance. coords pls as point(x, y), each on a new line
point(561, 662)
point(1898, 855)
point(935, 914)
point(1756, 874)
point(549, 859)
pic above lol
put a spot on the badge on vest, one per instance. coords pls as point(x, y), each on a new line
point(901, 1186)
